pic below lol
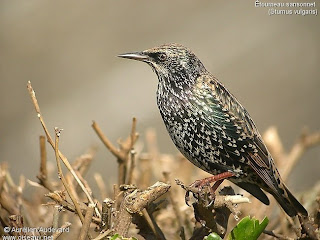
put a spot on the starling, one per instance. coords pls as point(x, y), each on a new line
point(210, 127)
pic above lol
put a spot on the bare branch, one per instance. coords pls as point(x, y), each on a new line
point(49, 139)
point(134, 202)
point(86, 224)
point(63, 180)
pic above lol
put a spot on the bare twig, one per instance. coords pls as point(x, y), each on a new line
point(122, 153)
point(276, 235)
point(86, 224)
point(63, 180)
point(55, 222)
point(43, 174)
point(116, 152)
point(134, 202)
point(132, 165)
point(133, 134)
point(309, 228)
point(174, 202)
point(152, 224)
point(287, 161)
point(305, 141)
point(57, 234)
point(81, 166)
point(106, 214)
point(49, 139)
point(103, 235)
point(214, 213)
point(144, 178)
point(59, 199)
point(101, 185)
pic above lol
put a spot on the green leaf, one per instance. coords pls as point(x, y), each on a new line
point(248, 229)
point(115, 237)
point(213, 236)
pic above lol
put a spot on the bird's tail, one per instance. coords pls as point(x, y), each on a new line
point(289, 203)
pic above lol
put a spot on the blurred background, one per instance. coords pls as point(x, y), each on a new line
point(68, 49)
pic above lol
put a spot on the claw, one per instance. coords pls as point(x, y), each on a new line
point(187, 198)
point(198, 185)
point(213, 197)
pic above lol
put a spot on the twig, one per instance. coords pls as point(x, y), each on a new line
point(133, 136)
point(103, 235)
point(122, 153)
point(116, 152)
point(8, 203)
point(86, 224)
point(152, 224)
point(182, 234)
point(49, 139)
point(133, 133)
point(277, 235)
point(152, 146)
point(125, 148)
point(43, 174)
point(81, 166)
point(274, 143)
point(63, 180)
point(43, 157)
point(106, 214)
point(223, 205)
point(16, 221)
point(56, 196)
point(144, 177)
point(287, 161)
point(55, 221)
point(173, 202)
point(101, 185)
point(309, 228)
point(86, 185)
point(306, 141)
point(132, 165)
point(57, 234)
point(134, 202)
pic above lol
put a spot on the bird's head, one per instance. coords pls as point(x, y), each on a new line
point(171, 62)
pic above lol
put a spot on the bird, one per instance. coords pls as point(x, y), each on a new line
point(211, 128)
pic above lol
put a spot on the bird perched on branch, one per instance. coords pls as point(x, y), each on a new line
point(211, 128)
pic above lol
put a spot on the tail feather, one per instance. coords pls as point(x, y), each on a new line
point(283, 196)
point(290, 204)
point(297, 205)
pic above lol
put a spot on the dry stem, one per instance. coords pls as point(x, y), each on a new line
point(49, 139)
point(134, 202)
point(63, 180)
point(122, 154)
point(86, 224)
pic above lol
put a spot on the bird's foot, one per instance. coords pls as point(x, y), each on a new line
point(196, 188)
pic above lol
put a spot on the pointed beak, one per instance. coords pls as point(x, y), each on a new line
point(140, 56)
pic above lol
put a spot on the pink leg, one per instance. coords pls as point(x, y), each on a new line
point(217, 179)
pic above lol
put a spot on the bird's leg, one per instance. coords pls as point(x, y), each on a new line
point(200, 184)
point(212, 191)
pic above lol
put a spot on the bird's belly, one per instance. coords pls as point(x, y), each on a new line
point(196, 144)
point(199, 137)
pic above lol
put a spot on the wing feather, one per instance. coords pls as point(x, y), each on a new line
point(236, 124)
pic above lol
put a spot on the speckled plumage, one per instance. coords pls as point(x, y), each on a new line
point(210, 127)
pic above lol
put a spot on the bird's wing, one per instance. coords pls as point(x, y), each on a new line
point(237, 130)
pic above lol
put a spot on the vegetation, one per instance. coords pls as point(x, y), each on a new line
point(148, 200)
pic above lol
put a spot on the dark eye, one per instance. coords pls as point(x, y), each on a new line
point(162, 56)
